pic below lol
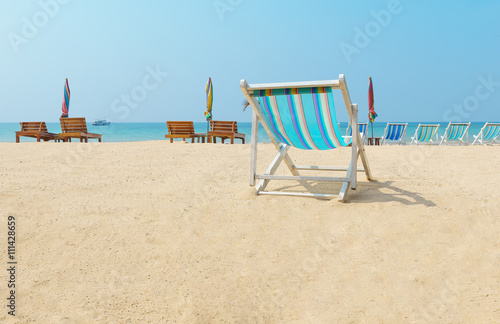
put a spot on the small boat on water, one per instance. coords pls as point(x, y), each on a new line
point(101, 122)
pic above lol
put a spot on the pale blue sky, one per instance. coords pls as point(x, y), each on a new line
point(135, 61)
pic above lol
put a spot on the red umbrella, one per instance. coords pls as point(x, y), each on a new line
point(371, 102)
point(371, 105)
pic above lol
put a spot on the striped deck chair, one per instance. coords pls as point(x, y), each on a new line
point(395, 132)
point(488, 134)
point(363, 128)
point(425, 134)
point(456, 132)
point(302, 115)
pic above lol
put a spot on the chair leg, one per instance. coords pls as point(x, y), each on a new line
point(345, 186)
point(253, 148)
point(354, 150)
point(283, 152)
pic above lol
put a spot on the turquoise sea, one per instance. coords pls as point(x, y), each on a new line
point(132, 132)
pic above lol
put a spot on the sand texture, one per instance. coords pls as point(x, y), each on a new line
point(153, 232)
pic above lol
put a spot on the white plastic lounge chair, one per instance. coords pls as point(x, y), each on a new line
point(302, 115)
point(488, 134)
point(425, 134)
point(363, 128)
point(395, 132)
point(455, 132)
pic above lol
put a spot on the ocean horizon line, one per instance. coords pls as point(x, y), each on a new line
point(147, 131)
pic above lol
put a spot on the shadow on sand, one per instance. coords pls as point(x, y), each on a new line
point(388, 191)
point(367, 192)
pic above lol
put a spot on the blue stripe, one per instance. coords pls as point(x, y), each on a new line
point(271, 119)
point(321, 120)
point(316, 123)
point(296, 125)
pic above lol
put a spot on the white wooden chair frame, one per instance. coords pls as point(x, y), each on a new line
point(445, 139)
point(479, 137)
point(357, 149)
point(402, 135)
point(415, 140)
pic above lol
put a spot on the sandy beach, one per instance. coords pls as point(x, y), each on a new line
point(153, 232)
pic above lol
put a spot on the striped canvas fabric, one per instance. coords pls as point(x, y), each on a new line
point(492, 131)
point(302, 117)
point(456, 131)
point(363, 127)
point(426, 133)
point(395, 131)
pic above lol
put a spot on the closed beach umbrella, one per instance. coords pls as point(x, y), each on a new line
point(371, 102)
point(209, 92)
point(65, 103)
point(371, 105)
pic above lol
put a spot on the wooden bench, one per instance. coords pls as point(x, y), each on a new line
point(36, 130)
point(183, 129)
point(75, 128)
point(225, 130)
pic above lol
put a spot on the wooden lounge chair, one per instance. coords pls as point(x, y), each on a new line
point(183, 129)
point(75, 128)
point(225, 130)
point(36, 130)
point(310, 125)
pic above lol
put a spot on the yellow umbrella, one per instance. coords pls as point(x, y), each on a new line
point(209, 91)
